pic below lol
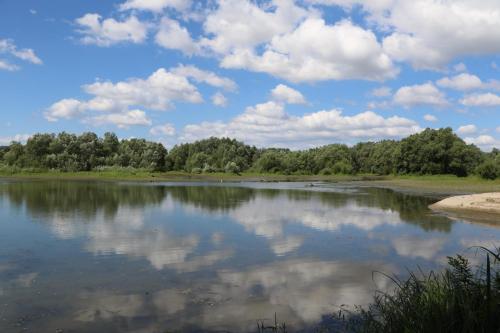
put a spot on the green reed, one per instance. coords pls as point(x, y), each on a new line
point(459, 299)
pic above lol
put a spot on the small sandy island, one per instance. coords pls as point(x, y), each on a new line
point(481, 203)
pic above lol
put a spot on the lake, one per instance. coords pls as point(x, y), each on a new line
point(122, 257)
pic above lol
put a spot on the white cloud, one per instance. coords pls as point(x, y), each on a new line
point(303, 55)
point(460, 67)
point(8, 48)
point(466, 82)
point(243, 25)
point(462, 81)
point(6, 140)
point(485, 142)
point(108, 32)
point(498, 129)
point(165, 129)
point(381, 92)
point(422, 37)
point(4, 65)
point(430, 117)
point(171, 35)
point(156, 5)
point(119, 100)
point(207, 77)
point(283, 93)
point(467, 129)
point(268, 124)
point(157, 92)
point(430, 33)
point(64, 109)
point(121, 120)
point(219, 99)
point(487, 99)
point(423, 94)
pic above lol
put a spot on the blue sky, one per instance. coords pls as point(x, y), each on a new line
point(271, 73)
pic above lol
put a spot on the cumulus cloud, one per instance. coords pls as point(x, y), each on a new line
point(467, 81)
point(485, 142)
point(9, 49)
point(303, 56)
point(467, 129)
point(462, 81)
point(424, 39)
point(218, 99)
point(64, 109)
point(430, 117)
point(418, 34)
point(171, 35)
point(207, 77)
point(243, 25)
point(156, 5)
point(417, 95)
point(107, 32)
point(283, 39)
point(269, 124)
point(165, 129)
point(381, 92)
point(121, 120)
point(487, 99)
point(283, 93)
point(120, 100)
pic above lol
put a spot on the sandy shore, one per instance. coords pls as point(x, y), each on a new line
point(484, 203)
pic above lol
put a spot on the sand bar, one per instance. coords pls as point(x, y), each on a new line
point(484, 202)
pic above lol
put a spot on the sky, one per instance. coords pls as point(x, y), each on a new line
point(274, 73)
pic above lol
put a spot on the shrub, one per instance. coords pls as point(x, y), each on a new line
point(488, 170)
point(326, 172)
point(232, 167)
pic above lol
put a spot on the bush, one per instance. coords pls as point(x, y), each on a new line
point(342, 167)
point(232, 167)
point(209, 169)
point(488, 170)
point(326, 172)
point(196, 170)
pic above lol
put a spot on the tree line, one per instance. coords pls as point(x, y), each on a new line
point(428, 152)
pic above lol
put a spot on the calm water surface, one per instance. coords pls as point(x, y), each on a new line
point(110, 257)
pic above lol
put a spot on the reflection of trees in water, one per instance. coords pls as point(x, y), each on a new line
point(212, 198)
point(412, 209)
point(84, 198)
point(87, 198)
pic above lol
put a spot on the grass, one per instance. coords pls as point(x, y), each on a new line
point(145, 175)
point(435, 184)
point(459, 299)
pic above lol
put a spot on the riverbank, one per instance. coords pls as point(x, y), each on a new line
point(488, 203)
point(436, 185)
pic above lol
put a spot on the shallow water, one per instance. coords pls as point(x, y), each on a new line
point(111, 257)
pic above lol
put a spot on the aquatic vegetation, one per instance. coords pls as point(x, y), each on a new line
point(459, 299)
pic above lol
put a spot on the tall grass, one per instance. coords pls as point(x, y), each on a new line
point(459, 299)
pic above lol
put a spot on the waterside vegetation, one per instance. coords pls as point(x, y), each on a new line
point(431, 152)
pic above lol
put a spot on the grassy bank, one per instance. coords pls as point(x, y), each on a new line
point(437, 185)
point(144, 175)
